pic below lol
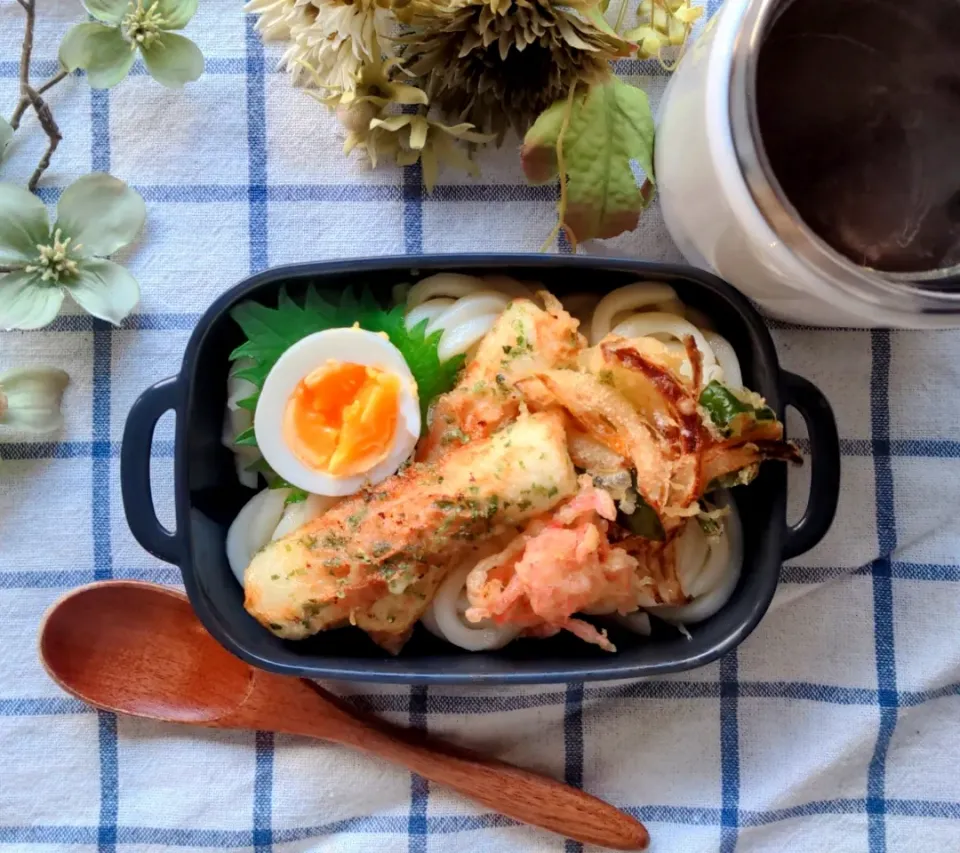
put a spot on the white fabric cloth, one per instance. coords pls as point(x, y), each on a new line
point(835, 727)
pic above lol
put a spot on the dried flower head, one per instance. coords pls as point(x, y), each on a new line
point(408, 138)
point(500, 63)
point(662, 24)
point(376, 85)
point(332, 41)
point(277, 18)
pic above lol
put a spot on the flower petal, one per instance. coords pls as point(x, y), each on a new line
point(74, 51)
point(105, 289)
point(23, 225)
point(100, 50)
point(26, 302)
point(100, 213)
point(108, 11)
point(30, 398)
point(176, 13)
point(392, 123)
point(6, 134)
point(418, 133)
point(403, 94)
point(173, 60)
point(430, 168)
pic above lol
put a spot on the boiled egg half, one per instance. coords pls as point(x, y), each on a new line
point(338, 411)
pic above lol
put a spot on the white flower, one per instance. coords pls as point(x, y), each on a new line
point(333, 42)
point(278, 17)
point(30, 399)
point(106, 48)
point(330, 39)
point(96, 216)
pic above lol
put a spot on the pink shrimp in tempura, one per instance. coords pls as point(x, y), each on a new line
point(560, 565)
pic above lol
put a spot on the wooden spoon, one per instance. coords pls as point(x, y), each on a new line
point(137, 648)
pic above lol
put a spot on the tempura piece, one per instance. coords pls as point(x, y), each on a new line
point(632, 398)
point(560, 565)
point(525, 339)
point(591, 455)
point(605, 415)
point(376, 558)
point(657, 569)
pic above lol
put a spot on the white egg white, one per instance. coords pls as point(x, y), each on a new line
point(356, 346)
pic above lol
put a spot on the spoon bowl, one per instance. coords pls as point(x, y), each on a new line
point(137, 648)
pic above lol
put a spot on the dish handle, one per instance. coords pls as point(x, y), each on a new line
point(813, 407)
point(135, 470)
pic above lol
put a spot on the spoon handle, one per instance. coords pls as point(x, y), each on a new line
point(520, 794)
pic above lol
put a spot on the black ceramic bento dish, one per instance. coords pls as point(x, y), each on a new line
point(208, 495)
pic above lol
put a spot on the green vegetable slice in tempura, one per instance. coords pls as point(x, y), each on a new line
point(643, 521)
point(723, 406)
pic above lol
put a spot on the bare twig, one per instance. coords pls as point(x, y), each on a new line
point(62, 74)
point(25, 100)
point(45, 117)
point(9, 269)
point(18, 112)
point(30, 97)
point(26, 51)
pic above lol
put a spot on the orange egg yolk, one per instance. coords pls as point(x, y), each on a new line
point(341, 418)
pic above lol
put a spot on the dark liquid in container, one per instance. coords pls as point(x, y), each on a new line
point(858, 106)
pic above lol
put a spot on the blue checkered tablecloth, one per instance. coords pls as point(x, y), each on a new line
point(835, 727)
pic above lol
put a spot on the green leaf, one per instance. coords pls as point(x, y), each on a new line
point(316, 304)
point(246, 438)
point(610, 127)
point(270, 332)
point(296, 496)
point(723, 406)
